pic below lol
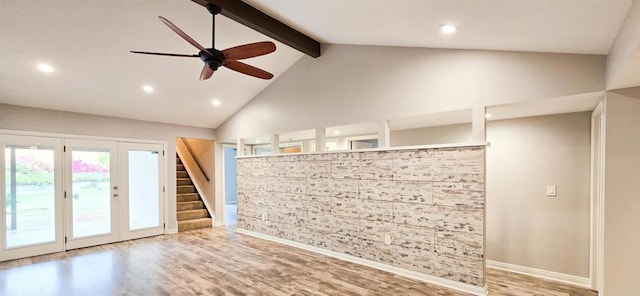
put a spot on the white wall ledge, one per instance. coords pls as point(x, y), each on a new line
point(435, 146)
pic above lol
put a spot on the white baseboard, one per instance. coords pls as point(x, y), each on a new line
point(171, 230)
point(545, 274)
point(482, 291)
point(217, 222)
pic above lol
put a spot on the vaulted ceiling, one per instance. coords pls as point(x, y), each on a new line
point(88, 43)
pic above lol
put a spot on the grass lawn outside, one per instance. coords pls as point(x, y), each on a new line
point(35, 209)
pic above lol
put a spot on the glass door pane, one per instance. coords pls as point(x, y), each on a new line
point(144, 190)
point(30, 215)
point(91, 193)
point(142, 202)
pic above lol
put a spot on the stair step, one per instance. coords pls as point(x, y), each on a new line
point(194, 224)
point(190, 205)
point(192, 214)
point(179, 167)
point(184, 181)
point(182, 197)
point(182, 174)
point(186, 189)
point(178, 161)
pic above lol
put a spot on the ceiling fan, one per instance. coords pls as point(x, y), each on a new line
point(229, 57)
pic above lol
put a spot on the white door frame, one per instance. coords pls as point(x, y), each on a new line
point(596, 254)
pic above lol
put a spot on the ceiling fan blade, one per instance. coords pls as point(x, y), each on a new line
point(248, 69)
point(183, 34)
point(167, 54)
point(206, 73)
point(249, 50)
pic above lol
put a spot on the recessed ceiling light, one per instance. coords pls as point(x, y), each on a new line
point(488, 115)
point(147, 88)
point(336, 132)
point(46, 68)
point(258, 141)
point(448, 29)
point(216, 102)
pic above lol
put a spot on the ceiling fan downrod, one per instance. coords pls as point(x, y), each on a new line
point(213, 57)
point(214, 10)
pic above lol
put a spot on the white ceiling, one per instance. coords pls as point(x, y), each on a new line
point(88, 43)
point(566, 26)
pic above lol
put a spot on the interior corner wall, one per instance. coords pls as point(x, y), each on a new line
point(624, 54)
point(352, 84)
point(28, 119)
point(524, 226)
point(621, 196)
point(457, 133)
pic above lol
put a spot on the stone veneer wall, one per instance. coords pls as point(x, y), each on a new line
point(430, 201)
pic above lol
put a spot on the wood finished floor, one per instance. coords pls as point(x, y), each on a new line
point(222, 262)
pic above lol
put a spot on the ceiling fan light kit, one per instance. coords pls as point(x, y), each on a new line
point(214, 59)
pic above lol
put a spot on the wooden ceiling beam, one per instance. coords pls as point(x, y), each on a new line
point(255, 19)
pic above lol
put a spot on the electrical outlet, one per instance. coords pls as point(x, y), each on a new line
point(387, 239)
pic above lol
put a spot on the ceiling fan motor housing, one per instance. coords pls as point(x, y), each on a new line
point(213, 60)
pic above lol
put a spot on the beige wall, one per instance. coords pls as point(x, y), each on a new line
point(524, 226)
point(458, 133)
point(622, 196)
point(49, 121)
point(352, 84)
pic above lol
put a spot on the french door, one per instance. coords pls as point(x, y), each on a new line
point(31, 189)
point(141, 190)
point(91, 193)
point(115, 190)
point(64, 194)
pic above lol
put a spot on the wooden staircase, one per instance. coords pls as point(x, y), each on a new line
point(192, 214)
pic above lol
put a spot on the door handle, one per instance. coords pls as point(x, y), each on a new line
point(115, 195)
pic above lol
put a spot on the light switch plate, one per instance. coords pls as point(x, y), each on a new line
point(551, 191)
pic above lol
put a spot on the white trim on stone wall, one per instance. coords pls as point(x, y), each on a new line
point(545, 274)
point(388, 268)
point(436, 146)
